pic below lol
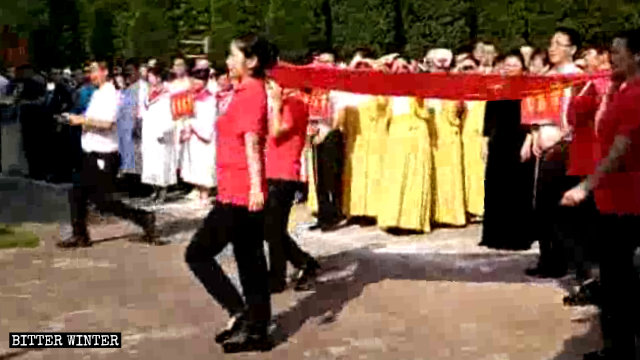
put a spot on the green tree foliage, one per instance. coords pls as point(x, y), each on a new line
point(65, 40)
point(435, 23)
point(512, 23)
point(67, 31)
point(102, 36)
point(24, 16)
point(232, 18)
point(303, 18)
point(359, 23)
point(189, 17)
point(150, 36)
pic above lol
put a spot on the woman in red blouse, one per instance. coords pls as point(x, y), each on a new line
point(237, 216)
point(288, 120)
point(615, 185)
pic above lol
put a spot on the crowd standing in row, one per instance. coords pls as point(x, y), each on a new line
point(525, 167)
point(411, 161)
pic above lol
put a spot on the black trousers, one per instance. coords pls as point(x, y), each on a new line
point(330, 164)
point(63, 153)
point(577, 229)
point(281, 246)
point(75, 134)
point(618, 240)
point(244, 229)
point(38, 133)
point(96, 183)
point(552, 183)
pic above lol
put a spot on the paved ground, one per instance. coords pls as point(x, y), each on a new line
point(436, 296)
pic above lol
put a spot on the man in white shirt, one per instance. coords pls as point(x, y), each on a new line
point(100, 165)
point(549, 143)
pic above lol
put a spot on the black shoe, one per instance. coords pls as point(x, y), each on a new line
point(331, 225)
point(588, 294)
point(277, 286)
point(250, 338)
point(534, 271)
point(597, 355)
point(236, 323)
point(148, 224)
point(546, 272)
point(307, 280)
point(74, 241)
point(316, 226)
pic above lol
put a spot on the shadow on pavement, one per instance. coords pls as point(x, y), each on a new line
point(166, 230)
point(580, 344)
point(178, 226)
point(23, 200)
point(16, 353)
point(345, 275)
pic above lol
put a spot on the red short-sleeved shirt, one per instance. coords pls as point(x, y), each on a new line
point(619, 192)
point(584, 149)
point(247, 112)
point(284, 153)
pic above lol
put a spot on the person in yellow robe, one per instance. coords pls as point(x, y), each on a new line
point(310, 168)
point(406, 197)
point(446, 145)
point(378, 113)
point(474, 162)
point(366, 121)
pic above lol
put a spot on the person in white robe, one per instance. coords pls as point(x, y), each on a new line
point(179, 85)
point(199, 145)
point(159, 162)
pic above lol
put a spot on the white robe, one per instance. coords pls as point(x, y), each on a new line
point(159, 165)
point(199, 152)
point(174, 87)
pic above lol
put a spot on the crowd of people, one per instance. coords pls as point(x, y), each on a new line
point(557, 168)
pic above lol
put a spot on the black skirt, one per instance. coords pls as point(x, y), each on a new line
point(508, 199)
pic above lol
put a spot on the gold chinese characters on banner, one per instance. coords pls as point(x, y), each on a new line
point(182, 105)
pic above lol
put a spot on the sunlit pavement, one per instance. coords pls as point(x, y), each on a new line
point(435, 296)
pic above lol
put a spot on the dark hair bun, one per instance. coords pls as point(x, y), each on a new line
point(253, 45)
point(274, 53)
point(159, 71)
point(201, 74)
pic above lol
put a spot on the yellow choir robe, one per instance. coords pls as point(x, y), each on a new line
point(310, 168)
point(366, 123)
point(406, 197)
point(474, 165)
point(446, 145)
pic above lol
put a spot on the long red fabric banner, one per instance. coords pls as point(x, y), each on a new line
point(455, 86)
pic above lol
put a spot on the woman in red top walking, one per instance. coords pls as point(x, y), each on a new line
point(237, 216)
point(288, 120)
point(615, 184)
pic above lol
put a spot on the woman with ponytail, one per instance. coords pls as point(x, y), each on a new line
point(237, 216)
